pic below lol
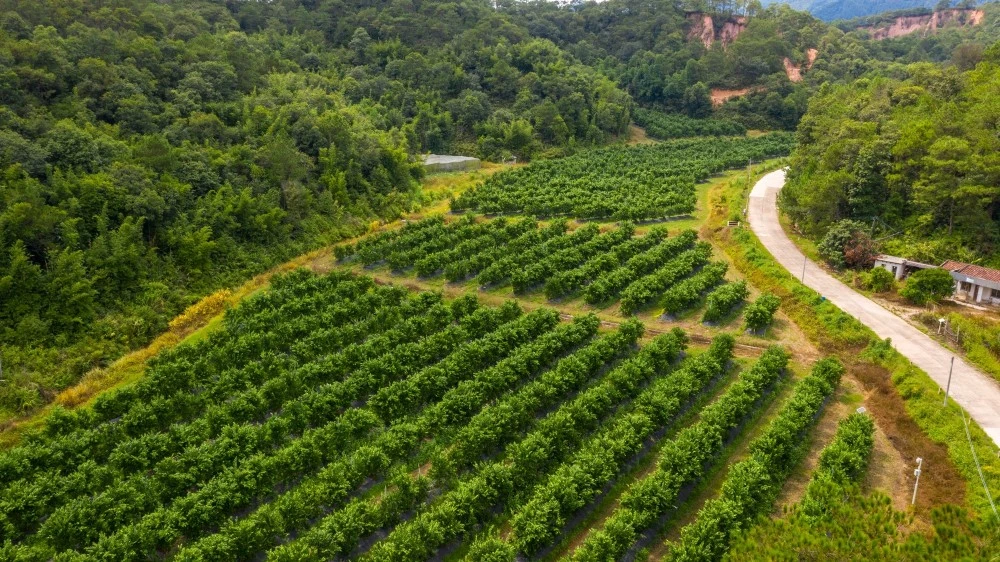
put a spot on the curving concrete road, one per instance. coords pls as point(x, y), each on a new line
point(972, 389)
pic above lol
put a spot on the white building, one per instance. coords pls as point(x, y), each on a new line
point(900, 268)
point(974, 283)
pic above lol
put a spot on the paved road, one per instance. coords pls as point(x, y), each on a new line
point(972, 389)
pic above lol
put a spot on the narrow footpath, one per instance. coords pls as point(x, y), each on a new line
point(972, 389)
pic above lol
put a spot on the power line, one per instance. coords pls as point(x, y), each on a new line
point(979, 468)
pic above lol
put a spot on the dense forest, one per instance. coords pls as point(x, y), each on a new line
point(153, 152)
point(915, 158)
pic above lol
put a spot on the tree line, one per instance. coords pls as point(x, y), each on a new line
point(914, 157)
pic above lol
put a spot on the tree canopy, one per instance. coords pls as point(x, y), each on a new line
point(918, 155)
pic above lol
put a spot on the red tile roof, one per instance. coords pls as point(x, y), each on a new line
point(970, 270)
point(952, 265)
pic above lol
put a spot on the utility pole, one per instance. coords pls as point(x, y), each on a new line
point(920, 463)
point(948, 388)
point(804, 260)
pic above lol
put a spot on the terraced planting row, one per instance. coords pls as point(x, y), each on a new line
point(331, 417)
point(602, 267)
point(621, 183)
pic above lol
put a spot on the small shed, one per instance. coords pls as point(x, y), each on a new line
point(901, 268)
point(434, 163)
point(974, 283)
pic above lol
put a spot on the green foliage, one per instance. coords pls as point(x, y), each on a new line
point(647, 288)
point(759, 314)
point(928, 285)
point(845, 459)
point(578, 481)
point(624, 183)
point(568, 281)
point(840, 241)
point(688, 292)
point(919, 160)
point(682, 461)
point(314, 388)
point(980, 339)
point(754, 483)
point(878, 350)
point(605, 265)
point(472, 499)
point(825, 323)
point(672, 126)
point(723, 300)
point(878, 280)
point(836, 520)
point(190, 145)
point(610, 284)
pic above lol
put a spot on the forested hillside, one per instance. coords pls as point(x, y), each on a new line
point(917, 156)
point(655, 50)
point(153, 151)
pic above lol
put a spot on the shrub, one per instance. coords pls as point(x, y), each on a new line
point(878, 280)
point(760, 313)
point(723, 300)
point(928, 285)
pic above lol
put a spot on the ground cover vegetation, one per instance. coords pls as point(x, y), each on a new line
point(676, 125)
point(153, 152)
point(835, 519)
point(908, 401)
point(978, 335)
point(672, 272)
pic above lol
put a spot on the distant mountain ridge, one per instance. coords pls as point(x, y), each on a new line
point(829, 10)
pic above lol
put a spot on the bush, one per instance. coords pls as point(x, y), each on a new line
point(878, 280)
point(723, 300)
point(928, 285)
point(847, 244)
point(760, 313)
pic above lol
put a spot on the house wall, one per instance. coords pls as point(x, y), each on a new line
point(976, 290)
point(895, 269)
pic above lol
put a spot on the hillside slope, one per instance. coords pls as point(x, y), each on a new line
point(155, 152)
point(830, 10)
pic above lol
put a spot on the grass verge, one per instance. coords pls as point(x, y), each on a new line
point(904, 400)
